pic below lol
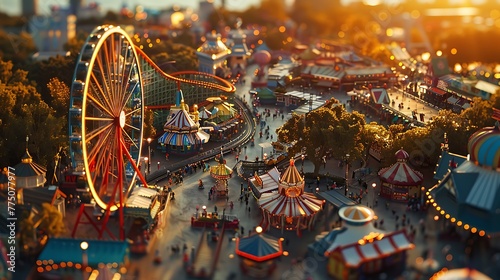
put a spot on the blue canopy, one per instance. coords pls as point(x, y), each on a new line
point(66, 250)
point(259, 247)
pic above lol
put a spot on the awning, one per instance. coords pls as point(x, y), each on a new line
point(335, 198)
point(437, 91)
point(98, 252)
point(324, 84)
point(452, 100)
point(266, 145)
point(269, 182)
point(356, 254)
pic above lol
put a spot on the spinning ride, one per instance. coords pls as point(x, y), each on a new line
point(106, 119)
point(221, 173)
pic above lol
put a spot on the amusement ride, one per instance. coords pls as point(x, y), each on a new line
point(114, 81)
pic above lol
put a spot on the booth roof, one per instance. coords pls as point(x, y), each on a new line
point(99, 251)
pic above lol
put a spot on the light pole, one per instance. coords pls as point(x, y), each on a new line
point(302, 157)
point(346, 174)
point(146, 161)
point(85, 260)
point(374, 186)
point(149, 154)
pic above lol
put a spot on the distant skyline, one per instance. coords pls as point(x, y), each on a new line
point(14, 7)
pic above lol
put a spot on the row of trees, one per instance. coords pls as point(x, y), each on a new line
point(331, 129)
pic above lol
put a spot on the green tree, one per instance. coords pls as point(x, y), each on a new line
point(16, 47)
point(51, 221)
point(374, 133)
point(59, 93)
point(149, 129)
point(327, 129)
point(43, 71)
point(24, 113)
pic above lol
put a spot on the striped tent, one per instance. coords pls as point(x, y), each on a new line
point(400, 173)
point(184, 139)
point(276, 204)
point(290, 208)
point(181, 130)
point(181, 121)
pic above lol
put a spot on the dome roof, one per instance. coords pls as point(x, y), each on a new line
point(484, 147)
point(402, 155)
point(262, 57)
point(356, 214)
point(213, 45)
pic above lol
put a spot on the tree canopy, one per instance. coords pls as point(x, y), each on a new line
point(329, 129)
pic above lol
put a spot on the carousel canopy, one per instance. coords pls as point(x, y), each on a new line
point(28, 168)
point(400, 173)
point(259, 247)
point(303, 205)
point(484, 147)
point(291, 176)
point(221, 171)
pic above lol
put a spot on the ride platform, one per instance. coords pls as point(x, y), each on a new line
point(213, 221)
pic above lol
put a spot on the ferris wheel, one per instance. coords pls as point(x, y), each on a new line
point(106, 116)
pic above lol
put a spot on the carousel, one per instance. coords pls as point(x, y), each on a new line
point(221, 173)
point(290, 208)
point(399, 181)
point(258, 253)
point(182, 131)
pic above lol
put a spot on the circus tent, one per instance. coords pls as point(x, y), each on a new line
point(290, 208)
point(182, 134)
point(400, 181)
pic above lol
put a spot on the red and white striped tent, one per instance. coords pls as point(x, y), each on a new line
point(290, 208)
point(400, 181)
point(371, 248)
point(400, 173)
